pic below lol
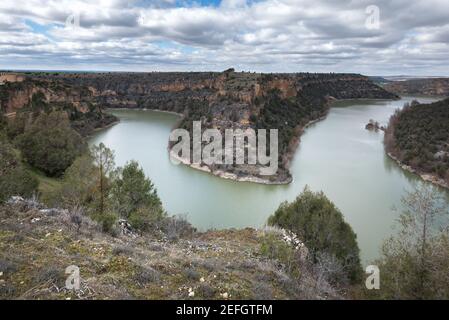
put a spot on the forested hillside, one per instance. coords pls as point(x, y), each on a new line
point(418, 136)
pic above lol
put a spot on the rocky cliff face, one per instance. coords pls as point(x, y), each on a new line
point(427, 87)
point(6, 77)
point(37, 95)
point(227, 100)
point(17, 95)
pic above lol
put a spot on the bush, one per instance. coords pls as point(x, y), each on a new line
point(206, 291)
point(135, 197)
point(145, 219)
point(274, 248)
point(106, 220)
point(50, 144)
point(192, 274)
point(50, 274)
point(79, 185)
point(262, 291)
point(144, 275)
point(316, 220)
point(125, 250)
point(177, 227)
point(14, 179)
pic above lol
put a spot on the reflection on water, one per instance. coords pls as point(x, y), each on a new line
point(336, 155)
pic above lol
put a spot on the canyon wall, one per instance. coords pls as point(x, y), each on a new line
point(426, 87)
point(225, 100)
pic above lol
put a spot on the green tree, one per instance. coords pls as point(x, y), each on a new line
point(38, 103)
point(316, 220)
point(135, 197)
point(79, 186)
point(50, 144)
point(14, 179)
point(104, 161)
point(414, 263)
point(87, 183)
point(16, 126)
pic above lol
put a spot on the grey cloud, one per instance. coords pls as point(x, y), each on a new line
point(292, 35)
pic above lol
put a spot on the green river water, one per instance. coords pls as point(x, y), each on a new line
point(336, 155)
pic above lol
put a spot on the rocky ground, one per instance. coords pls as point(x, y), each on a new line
point(37, 244)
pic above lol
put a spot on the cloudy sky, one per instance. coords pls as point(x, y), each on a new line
point(374, 37)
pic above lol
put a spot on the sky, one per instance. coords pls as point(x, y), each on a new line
point(372, 37)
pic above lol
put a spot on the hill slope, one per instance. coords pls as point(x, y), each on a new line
point(37, 245)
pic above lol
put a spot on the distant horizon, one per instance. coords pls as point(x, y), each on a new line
point(218, 71)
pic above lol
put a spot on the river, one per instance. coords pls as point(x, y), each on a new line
point(336, 155)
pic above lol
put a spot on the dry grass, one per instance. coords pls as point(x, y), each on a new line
point(37, 247)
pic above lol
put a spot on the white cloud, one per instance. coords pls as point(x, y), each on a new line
point(270, 35)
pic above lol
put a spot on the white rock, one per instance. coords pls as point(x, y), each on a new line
point(202, 279)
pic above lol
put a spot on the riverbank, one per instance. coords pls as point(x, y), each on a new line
point(146, 109)
point(228, 175)
point(428, 177)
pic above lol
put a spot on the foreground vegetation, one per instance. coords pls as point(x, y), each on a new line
point(329, 239)
point(172, 262)
point(414, 263)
